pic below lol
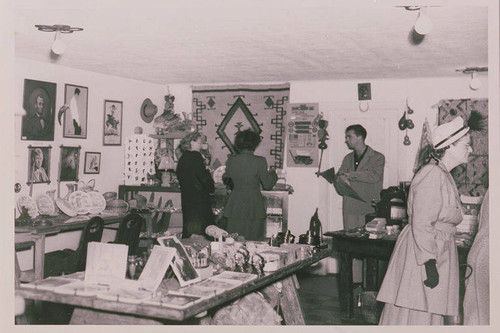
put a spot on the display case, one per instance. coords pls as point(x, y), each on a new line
point(276, 203)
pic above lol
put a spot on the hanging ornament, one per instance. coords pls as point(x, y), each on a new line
point(407, 141)
point(402, 122)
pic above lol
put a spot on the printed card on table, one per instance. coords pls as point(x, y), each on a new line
point(106, 263)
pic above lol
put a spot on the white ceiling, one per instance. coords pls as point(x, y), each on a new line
point(215, 41)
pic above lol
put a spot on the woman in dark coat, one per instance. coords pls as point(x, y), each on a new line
point(196, 184)
point(245, 208)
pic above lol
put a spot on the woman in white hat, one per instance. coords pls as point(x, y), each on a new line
point(421, 285)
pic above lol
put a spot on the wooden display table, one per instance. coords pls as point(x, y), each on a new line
point(103, 311)
point(350, 246)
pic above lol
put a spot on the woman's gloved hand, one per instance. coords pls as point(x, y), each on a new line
point(432, 274)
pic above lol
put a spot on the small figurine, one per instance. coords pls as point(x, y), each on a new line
point(258, 264)
point(241, 257)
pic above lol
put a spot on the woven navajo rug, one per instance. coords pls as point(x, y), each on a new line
point(220, 112)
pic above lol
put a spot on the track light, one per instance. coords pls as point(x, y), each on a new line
point(423, 25)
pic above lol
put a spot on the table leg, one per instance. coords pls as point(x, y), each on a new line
point(346, 286)
point(39, 256)
point(289, 300)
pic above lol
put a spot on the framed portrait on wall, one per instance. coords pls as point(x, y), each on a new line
point(39, 102)
point(39, 164)
point(69, 163)
point(113, 111)
point(92, 162)
point(75, 117)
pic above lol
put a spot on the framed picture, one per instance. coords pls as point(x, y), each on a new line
point(39, 101)
point(113, 111)
point(69, 163)
point(181, 265)
point(75, 117)
point(364, 91)
point(92, 162)
point(39, 164)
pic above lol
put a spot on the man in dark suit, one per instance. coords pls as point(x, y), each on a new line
point(36, 125)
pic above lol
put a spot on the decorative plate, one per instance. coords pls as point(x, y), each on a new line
point(218, 174)
point(45, 204)
point(25, 201)
point(65, 207)
point(80, 201)
point(98, 202)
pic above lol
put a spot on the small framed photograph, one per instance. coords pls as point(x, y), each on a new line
point(181, 265)
point(39, 102)
point(92, 162)
point(364, 92)
point(39, 164)
point(69, 163)
point(113, 111)
point(75, 117)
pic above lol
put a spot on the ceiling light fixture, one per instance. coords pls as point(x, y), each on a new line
point(423, 25)
point(475, 82)
point(58, 47)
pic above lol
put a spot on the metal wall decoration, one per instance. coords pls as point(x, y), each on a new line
point(39, 101)
point(39, 164)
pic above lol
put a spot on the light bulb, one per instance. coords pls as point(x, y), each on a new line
point(58, 47)
point(423, 25)
point(475, 83)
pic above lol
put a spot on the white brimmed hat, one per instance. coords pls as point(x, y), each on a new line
point(444, 135)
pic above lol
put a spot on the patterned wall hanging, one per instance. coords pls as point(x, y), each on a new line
point(220, 112)
point(471, 178)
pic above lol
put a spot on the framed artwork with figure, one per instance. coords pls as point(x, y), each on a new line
point(113, 111)
point(69, 163)
point(75, 115)
point(39, 164)
point(92, 163)
point(39, 102)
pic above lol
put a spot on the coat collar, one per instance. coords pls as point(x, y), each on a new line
point(368, 154)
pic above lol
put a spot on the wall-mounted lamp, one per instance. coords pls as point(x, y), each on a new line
point(423, 25)
point(475, 82)
point(58, 46)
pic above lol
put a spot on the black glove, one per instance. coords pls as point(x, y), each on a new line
point(432, 274)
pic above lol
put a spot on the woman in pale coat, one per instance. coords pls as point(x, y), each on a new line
point(421, 285)
point(477, 289)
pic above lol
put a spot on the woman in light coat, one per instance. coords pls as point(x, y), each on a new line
point(421, 285)
point(245, 208)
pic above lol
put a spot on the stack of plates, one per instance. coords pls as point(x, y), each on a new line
point(65, 207)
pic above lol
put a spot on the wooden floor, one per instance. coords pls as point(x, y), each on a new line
point(318, 297)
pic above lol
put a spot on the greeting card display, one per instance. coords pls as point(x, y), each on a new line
point(139, 159)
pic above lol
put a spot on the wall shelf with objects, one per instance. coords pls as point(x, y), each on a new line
point(276, 204)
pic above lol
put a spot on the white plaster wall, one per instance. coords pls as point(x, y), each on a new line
point(131, 92)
